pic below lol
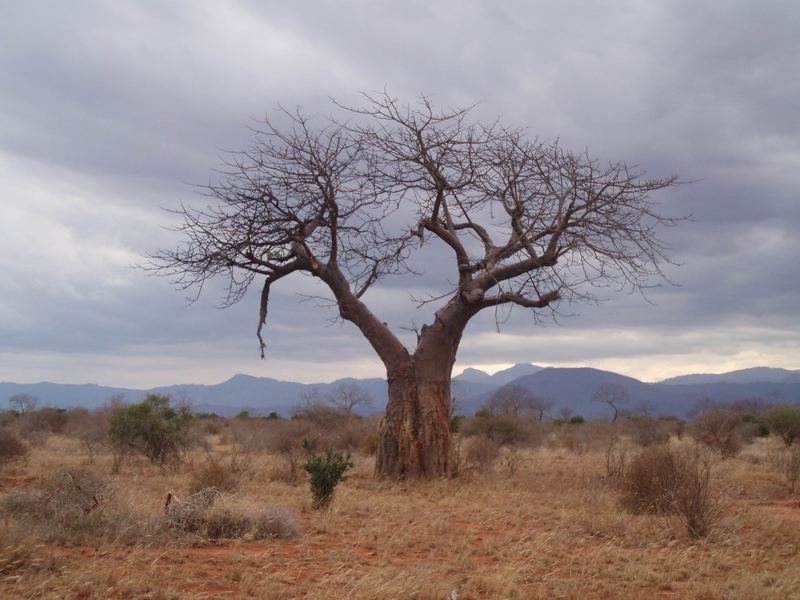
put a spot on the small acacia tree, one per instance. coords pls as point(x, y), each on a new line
point(152, 427)
point(784, 421)
point(517, 401)
point(348, 395)
point(23, 403)
point(613, 394)
point(348, 199)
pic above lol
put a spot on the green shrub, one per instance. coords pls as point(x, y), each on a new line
point(455, 423)
point(784, 421)
point(326, 472)
point(152, 428)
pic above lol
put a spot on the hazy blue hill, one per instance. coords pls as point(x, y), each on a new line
point(63, 395)
point(752, 375)
point(567, 387)
point(473, 376)
point(258, 393)
point(519, 370)
point(573, 388)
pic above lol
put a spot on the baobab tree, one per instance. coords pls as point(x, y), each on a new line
point(349, 198)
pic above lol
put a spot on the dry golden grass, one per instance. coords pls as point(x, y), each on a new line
point(553, 529)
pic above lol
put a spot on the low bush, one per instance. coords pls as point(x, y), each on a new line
point(481, 453)
point(274, 522)
point(286, 440)
point(783, 421)
point(786, 461)
point(73, 508)
point(647, 431)
point(11, 448)
point(200, 515)
point(723, 430)
point(650, 482)
point(45, 420)
point(225, 524)
point(661, 481)
point(326, 472)
point(503, 429)
point(694, 504)
point(152, 427)
point(217, 475)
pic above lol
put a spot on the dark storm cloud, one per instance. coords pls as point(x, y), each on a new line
point(109, 111)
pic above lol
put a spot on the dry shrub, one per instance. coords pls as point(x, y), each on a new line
point(225, 524)
point(573, 438)
point(72, 508)
point(663, 482)
point(646, 431)
point(215, 474)
point(722, 430)
point(786, 461)
point(90, 428)
point(11, 448)
point(286, 440)
point(502, 429)
point(369, 445)
point(44, 421)
point(199, 515)
point(189, 516)
point(511, 459)
point(481, 453)
point(274, 522)
point(693, 503)
point(616, 460)
point(322, 416)
point(650, 482)
point(213, 425)
point(250, 435)
point(357, 434)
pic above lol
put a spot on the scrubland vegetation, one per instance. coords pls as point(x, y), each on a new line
point(94, 505)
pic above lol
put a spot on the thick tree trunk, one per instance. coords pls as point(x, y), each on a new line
point(414, 436)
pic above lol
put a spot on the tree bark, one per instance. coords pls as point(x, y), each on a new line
point(414, 436)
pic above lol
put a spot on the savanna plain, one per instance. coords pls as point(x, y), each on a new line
point(640, 508)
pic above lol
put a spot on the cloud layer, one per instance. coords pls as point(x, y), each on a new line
point(110, 112)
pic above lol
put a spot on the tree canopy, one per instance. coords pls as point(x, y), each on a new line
point(350, 198)
point(526, 221)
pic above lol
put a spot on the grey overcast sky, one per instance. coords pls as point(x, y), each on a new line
point(112, 111)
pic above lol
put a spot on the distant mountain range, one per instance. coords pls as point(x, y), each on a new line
point(567, 388)
point(754, 375)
